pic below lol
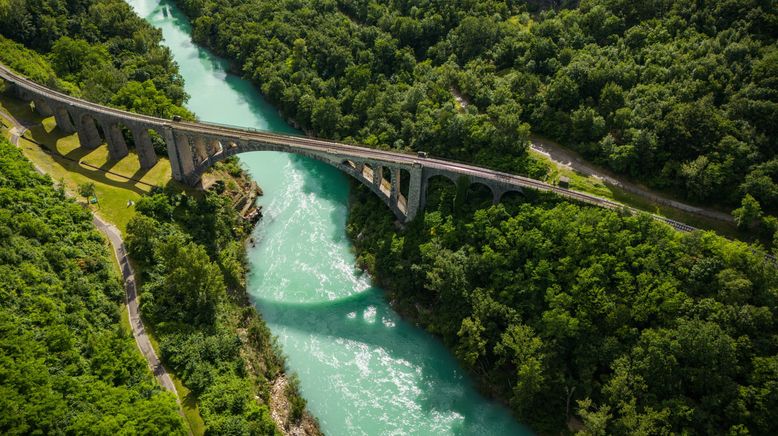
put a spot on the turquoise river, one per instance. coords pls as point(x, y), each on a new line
point(362, 368)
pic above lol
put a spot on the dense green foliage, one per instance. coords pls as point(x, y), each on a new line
point(95, 49)
point(682, 95)
point(565, 309)
point(193, 267)
point(66, 364)
point(99, 45)
point(102, 51)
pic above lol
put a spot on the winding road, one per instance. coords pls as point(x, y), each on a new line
point(17, 130)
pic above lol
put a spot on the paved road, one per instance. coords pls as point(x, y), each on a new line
point(568, 158)
point(131, 293)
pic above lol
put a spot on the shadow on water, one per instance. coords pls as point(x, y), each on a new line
point(441, 385)
point(418, 370)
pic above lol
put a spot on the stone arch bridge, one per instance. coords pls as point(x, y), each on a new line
point(399, 179)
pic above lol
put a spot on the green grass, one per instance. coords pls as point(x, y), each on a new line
point(113, 191)
point(189, 406)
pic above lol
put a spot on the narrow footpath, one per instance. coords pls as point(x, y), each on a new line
point(131, 293)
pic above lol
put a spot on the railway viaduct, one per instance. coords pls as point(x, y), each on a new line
point(195, 147)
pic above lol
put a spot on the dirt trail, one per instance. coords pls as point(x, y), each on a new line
point(570, 159)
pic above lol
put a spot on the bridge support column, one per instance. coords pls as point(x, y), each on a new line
point(88, 135)
point(496, 195)
point(172, 154)
point(215, 147)
point(62, 118)
point(185, 158)
point(415, 198)
point(117, 146)
point(378, 175)
point(146, 154)
point(394, 193)
point(42, 108)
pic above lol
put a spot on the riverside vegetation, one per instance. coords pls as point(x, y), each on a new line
point(67, 364)
point(193, 260)
point(566, 312)
point(189, 251)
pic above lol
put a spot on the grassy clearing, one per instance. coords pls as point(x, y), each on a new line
point(596, 186)
point(64, 160)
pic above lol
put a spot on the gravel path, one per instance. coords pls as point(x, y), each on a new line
point(568, 158)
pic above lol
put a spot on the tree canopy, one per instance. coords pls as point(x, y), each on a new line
point(66, 363)
point(570, 310)
point(680, 95)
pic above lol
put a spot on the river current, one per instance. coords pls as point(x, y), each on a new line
point(362, 368)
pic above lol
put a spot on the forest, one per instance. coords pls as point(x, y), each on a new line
point(566, 312)
point(67, 366)
point(191, 255)
point(562, 310)
point(95, 49)
point(569, 310)
point(188, 252)
point(678, 95)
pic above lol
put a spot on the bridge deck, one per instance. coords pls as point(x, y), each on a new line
point(302, 144)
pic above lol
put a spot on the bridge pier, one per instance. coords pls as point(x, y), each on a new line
point(172, 153)
point(215, 147)
point(378, 176)
point(42, 108)
point(144, 148)
point(200, 148)
point(62, 117)
point(415, 186)
point(185, 158)
point(117, 146)
point(88, 135)
point(496, 195)
point(394, 192)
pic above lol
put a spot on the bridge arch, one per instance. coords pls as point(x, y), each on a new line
point(477, 190)
point(364, 172)
point(511, 195)
point(227, 141)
